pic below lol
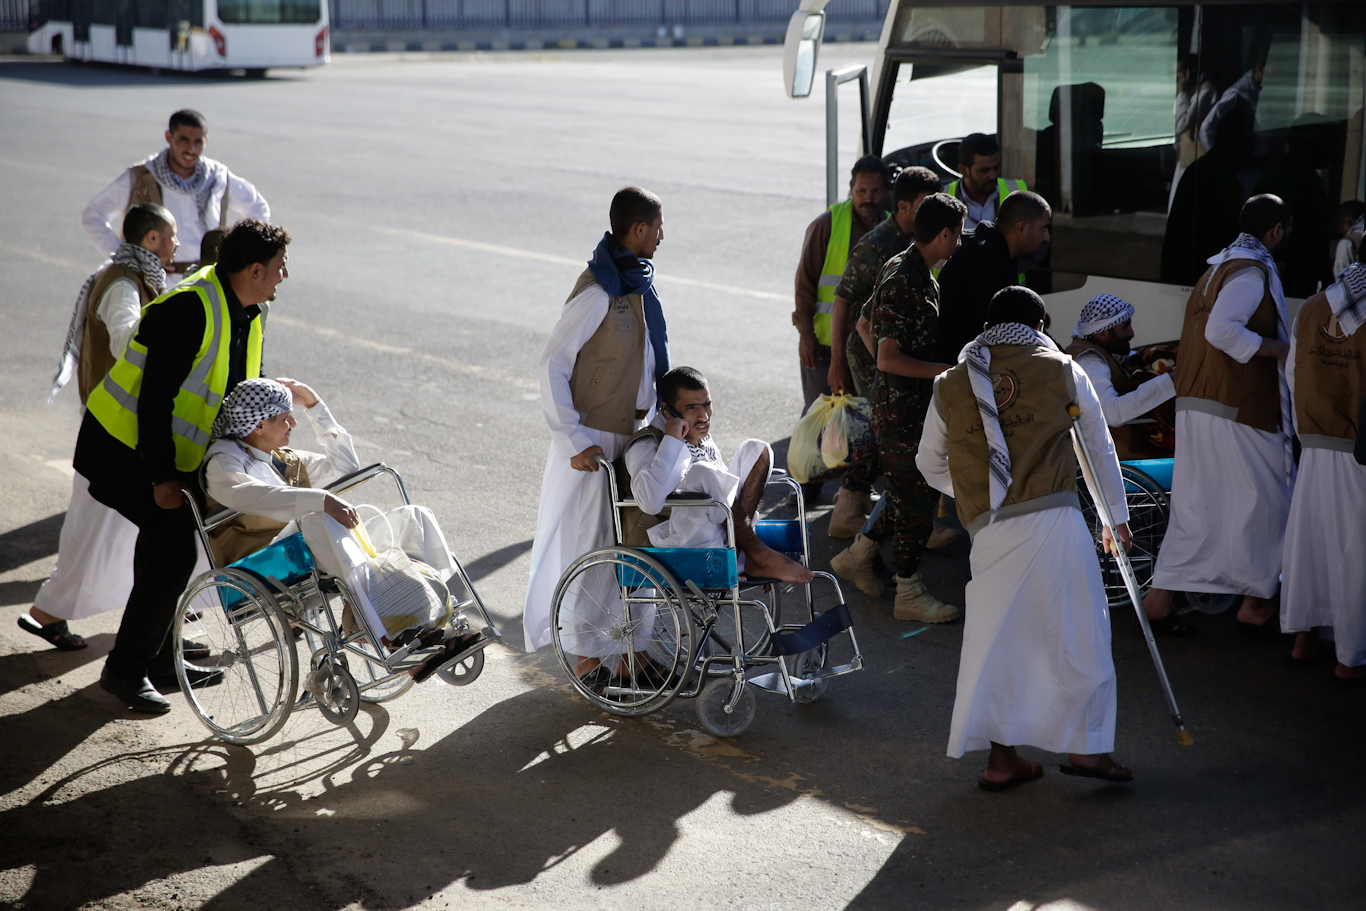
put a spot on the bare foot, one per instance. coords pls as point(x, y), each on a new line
point(1306, 646)
point(764, 562)
point(1157, 603)
point(1343, 672)
point(1003, 764)
point(43, 617)
point(1256, 611)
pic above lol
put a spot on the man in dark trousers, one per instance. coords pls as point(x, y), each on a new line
point(986, 262)
point(145, 431)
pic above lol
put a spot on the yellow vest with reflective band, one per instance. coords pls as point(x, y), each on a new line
point(836, 257)
point(1003, 189)
point(114, 402)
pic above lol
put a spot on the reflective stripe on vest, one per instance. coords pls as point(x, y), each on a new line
point(114, 403)
point(1003, 189)
point(836, 257)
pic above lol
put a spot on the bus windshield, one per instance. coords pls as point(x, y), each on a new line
point(1145, 127)
point(268, 12)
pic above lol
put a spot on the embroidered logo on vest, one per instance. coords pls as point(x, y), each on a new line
point(1004, 389)
point(1333, 332)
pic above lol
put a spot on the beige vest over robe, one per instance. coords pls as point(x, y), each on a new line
point(606, 379)
point(636, 522)
point(244, 535)
point(1209, 380)
point(1033, 387)
point(96, 358)
point(1330, 378)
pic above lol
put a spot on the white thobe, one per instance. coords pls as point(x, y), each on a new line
point(1130, 407)
point(575, 514)
point(1324, 582)
point(659, 470)
point(1036, 667)
point(1230, 496)
point(1345, 253)
point(103, 218)
point(119, 309)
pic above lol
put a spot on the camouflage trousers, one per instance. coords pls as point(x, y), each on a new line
point(863, 368)
point(909, 516)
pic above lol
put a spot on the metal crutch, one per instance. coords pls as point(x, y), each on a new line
point(1126, 570)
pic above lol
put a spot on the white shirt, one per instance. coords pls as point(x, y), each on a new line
point(581, 317)
point(103, 218)
point(979, 212)
point(656, 472)
point(1121, 409)
point(1226, 328)
point(244, 478)
point(933, 456)
point(120, 309)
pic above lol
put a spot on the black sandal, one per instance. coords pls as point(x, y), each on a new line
point(1171, 625)
point(57, 634)
point(1106, 769)
point(1034, 774)
point(598, 679)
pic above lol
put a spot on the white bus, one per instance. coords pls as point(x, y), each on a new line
point(1081, 100)
point(251, 35)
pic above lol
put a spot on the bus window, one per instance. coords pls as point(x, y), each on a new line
point(935, 105)
point(264, 12)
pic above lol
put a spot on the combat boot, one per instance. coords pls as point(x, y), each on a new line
point(914, 602)
point(851, 511)
point(855, 563)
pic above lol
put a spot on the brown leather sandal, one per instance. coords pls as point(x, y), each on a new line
point(1106, 770)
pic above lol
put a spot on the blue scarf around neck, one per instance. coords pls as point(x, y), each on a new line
point(621, 272)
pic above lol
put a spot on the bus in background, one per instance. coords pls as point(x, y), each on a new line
point(1084, 101)
point(251, 35)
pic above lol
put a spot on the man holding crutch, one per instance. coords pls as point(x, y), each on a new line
point(1036, 666)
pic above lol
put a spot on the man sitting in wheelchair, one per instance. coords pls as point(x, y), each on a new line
point(249, 468)
point(676, 455)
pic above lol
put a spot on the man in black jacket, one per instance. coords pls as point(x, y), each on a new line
point(987, 261)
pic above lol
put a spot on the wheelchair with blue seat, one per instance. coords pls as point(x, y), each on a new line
point(683, 623)
point(256, 614)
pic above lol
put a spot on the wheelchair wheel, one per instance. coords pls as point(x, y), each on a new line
point(333, 688)
point(588, 617)
point(711, 708)
point(1148, 513)
point(719, 642)
point(378, 685)
point(805, 667)
point(1209, 602)
point(463, 672)
point(250, 641)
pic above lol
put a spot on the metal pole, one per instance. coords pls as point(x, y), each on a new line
point(833, 80)
point(1126, 570)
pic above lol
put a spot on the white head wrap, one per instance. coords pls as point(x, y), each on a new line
point(252, 402)
point(1104, 311)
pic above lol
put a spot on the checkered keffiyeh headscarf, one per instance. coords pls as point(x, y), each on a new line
point(1104, 311)
point(1347, 297)
point(252, 402)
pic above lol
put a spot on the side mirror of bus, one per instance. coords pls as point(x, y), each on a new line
point(800, 49)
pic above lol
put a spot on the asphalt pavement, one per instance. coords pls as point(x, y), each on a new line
point(442, 206)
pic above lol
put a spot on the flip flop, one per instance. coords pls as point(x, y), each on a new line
point(1171, 625)
point(1034, 774)
point(598, 679)
point(1106, 770)
point(452, 648)
point(57, 634)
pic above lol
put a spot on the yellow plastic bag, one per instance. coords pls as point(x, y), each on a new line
point(804, 459)
point(848, 436)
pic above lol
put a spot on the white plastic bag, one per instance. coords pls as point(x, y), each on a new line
point(804, 460)
point(848, 435)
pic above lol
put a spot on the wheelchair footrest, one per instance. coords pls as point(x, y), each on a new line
point(818, 631)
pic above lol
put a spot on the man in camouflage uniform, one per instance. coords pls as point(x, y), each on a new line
point(904, 321)
point(851, 363)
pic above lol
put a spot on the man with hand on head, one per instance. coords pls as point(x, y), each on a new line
point(1100, 344)
point(1234, 469)
point(598, 374)
point(199, 192)
point(147, 427)
point(94, 570)
point(903, 330)
point(850, 360)
point(1036, 667)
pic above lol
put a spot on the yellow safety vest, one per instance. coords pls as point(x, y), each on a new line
point(1003, 189)
point(836, 257)
point(114, 402)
